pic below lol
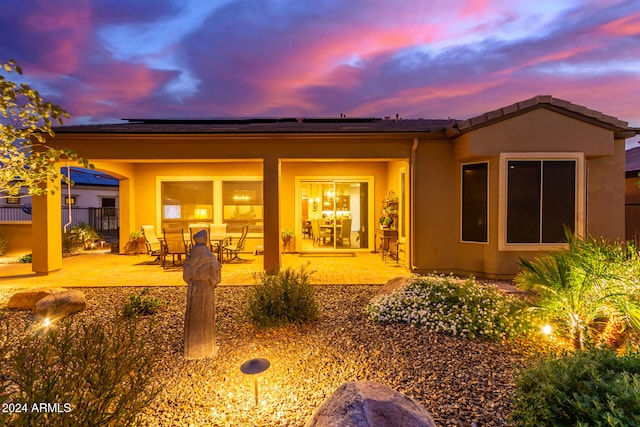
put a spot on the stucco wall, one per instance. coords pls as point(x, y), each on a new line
point(605, 185)
point(540, 131)
point(18, 236)
point(434, 209)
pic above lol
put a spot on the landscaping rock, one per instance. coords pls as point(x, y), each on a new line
point(392, 285)
point(26, 300)
point(60, 304)
point(369, 404)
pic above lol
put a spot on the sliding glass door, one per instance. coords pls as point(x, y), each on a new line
point(334, 214)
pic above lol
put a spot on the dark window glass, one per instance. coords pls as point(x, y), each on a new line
point(523, 202)
point(540, 200)
point(558, 199)
point(474, 202)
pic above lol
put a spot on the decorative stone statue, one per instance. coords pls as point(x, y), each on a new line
point(201, 272)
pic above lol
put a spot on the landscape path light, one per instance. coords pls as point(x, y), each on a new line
point(254, 367)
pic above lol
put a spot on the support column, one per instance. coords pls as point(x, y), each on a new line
point(46, 231)
point(127, 209)
point(271, 184)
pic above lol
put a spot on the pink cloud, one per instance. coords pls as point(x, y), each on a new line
point(64, 31)
point(625, 26)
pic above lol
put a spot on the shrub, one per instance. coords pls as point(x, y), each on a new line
point(26, 259)
point(97, 375)
point(282, 297)
point(459, 309)
point(79, 237)
point(589, 387)
point(589, 291)
point(142, 305)
point(3, 245)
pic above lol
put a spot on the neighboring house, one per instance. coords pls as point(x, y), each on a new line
point(468, 196)
point(92, 200)
point(632, 195)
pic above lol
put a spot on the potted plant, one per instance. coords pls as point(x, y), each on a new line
point(137, 243)
point(388, 221)
point(286, 235)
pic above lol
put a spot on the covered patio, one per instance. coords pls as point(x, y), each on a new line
point(99, 269)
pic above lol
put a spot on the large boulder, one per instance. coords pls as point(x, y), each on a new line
point(27, 299)
point(60, 304)
point(392, 285)
point(369, 404)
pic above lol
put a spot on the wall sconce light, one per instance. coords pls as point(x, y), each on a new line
point(315, 203)
point(254, 367)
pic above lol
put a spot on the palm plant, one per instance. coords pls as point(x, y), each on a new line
point(587, 288)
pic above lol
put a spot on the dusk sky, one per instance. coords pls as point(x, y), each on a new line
point(103, 60)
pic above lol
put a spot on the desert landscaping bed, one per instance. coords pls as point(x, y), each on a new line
point(460, 382)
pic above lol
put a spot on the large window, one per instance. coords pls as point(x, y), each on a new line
point(242, 203)
point(474, 202)
point(541, 200)
point(184, 202)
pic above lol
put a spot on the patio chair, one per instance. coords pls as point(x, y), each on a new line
point(195, 228)
point(318, 233)
point(345, 232)
point(233, 250)
point(154, 246)
point(173, 244)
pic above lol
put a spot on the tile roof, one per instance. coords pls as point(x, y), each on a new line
point(449, 127)
point(542, 100)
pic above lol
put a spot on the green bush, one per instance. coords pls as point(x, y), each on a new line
point(142, 305)
point(588, 291)
point(593, 387)
point(282, 297)
point(26, 259)
point(459, 309)
point(3, 245)
point(79, 237)
point(96, 375)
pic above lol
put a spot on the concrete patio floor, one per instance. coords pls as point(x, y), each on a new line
point(99, 269)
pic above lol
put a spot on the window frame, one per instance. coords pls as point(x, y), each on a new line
point(580, 197)
point(488, 165)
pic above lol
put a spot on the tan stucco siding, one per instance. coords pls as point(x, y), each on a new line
point(539, 130)
point(605, 195)
point(434, 209)
point(232, 147)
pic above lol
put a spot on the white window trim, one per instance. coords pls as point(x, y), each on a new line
point(502, 204)
point(488, 201)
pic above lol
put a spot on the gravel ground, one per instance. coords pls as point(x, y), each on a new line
point(460, 382)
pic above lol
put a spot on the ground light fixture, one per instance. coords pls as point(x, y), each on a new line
point(546, 329)
point(254, 367)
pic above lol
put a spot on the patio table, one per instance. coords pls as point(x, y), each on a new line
point(221, 242)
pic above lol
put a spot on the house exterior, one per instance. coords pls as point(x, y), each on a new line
point(632, 195)
point(92, 200)
point(468, 196)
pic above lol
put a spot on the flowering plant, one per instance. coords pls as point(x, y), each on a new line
point(439, 304)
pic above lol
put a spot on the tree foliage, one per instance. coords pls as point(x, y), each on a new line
point(588, 290)
point(26, 159)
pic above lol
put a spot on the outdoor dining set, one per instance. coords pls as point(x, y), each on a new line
point(176, 241)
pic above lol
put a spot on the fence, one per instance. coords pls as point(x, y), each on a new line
point(104, 220)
